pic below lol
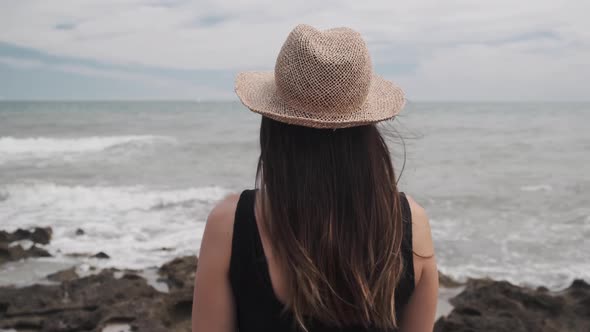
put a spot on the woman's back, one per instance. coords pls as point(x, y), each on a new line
point(258, 299)
point(216, 305)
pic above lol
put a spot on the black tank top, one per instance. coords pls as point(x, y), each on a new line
point(257, 307)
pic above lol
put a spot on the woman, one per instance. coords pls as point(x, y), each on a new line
point(326, 242)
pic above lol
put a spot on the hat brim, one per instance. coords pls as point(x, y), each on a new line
point(258, 92)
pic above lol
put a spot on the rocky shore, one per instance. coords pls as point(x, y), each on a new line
point(12, 252)
point(94, 302)
point(125, 298)
point(488, 305)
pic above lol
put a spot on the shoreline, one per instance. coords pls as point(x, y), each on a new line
point(67, 295)
point(109, 300)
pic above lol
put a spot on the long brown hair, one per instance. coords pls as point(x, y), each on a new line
point(332, 213)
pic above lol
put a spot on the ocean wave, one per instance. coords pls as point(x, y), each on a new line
point(530, 274)
point(58, 197)
point(538, 187)
point(41, 147)
point(130, 223)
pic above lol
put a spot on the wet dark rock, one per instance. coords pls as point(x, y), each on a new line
point(179, 273)
point(78, 254)
point(41, 235)
point(101, 255)
point(93, 302)
point(10, 253)
point(35, 251)
point(80, 231)
point(21, 234)
point(64, 275)
point(487, 305)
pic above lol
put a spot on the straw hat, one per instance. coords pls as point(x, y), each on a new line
point(322, 79)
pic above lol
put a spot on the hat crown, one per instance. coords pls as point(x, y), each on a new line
point(317, 71)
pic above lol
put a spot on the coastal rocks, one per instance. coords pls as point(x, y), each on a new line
point(81, 304)
point(487, 305)
point(101, 255)
point(124, 298)
point(64, 275)
point(9, 252)
point(179, 273)
point(91, 303)
point(41, 235)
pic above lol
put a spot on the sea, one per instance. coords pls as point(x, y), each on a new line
point(506, 185)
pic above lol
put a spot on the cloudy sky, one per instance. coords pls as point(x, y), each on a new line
point(460, 50)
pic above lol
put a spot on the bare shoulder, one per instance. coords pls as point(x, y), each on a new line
point(223, 212)
point(213, 307)
point(421, 235)
point(219, 228)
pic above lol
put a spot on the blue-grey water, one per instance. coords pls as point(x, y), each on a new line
point(506, 185)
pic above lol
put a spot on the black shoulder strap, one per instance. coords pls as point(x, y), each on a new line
point(406, 211)
point(406, 285)
point(245, 208)
point(407, 248)
point(242, 233)
point(246, 244)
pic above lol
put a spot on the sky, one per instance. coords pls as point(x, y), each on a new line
point(452, 50)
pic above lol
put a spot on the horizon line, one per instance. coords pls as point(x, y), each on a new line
point(197, 100)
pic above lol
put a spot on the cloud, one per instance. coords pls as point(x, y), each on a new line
point(164, 83)
point(65, 26)
point(84, 70)
point(20, 63)
point(211, 20)
point(517, 74)
point(439, 49)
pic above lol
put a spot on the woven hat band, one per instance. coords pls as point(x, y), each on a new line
point(323, 71)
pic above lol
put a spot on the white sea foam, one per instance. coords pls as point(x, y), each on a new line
point(102, 198)
point(532, 275)
point(12, 148)
point(537, 187)
point(131, 224)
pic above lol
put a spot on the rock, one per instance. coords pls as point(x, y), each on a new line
point(448, 282)
point(13, 253)
point(8, 253)
point(487, 305)
point(101, 255)
point(80, 231)
point(78, 254)
point(179, 273)
point(35, 251)
point(94, 302)
point(64, 275)
point(5, 237)
point(19, 234)
point(41, 235)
